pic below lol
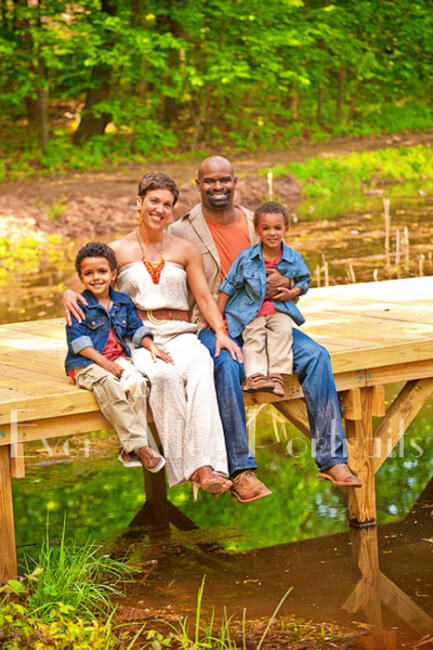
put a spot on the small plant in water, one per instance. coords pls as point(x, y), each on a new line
point(74, 576)
point(208, 636)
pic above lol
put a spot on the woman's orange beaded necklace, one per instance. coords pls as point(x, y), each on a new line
point(153, 268)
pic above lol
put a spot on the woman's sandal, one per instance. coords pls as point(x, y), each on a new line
point(209, 481)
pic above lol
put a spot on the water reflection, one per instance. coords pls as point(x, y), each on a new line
point(252, 555)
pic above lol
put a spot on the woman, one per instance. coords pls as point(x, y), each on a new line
point(154, 268)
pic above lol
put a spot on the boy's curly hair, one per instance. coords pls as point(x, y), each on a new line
point(96, 249)
point(271, 207)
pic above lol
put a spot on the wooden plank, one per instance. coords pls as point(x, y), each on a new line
point(378, 402)
point(399, 372)
point(296, 412)
point(156, 493)
point(359, 434)
point(384, 355)
point(400, 414)
point(48, 406)
point(18, 467)
point(402, 606)
point(58, 427)
point(350, 403)
point(366, 594)
point(8, 560)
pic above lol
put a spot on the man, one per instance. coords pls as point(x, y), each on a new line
point(221, 229)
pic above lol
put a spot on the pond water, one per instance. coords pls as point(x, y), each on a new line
point(299, 538)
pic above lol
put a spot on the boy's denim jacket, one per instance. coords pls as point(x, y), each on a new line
point(245, 283)
point(94, 329)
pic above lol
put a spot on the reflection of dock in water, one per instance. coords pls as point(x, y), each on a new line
point(377, 333)
point(382, 576)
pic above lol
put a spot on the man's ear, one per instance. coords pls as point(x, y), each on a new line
point(197, 182)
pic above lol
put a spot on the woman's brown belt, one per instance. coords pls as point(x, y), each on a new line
point(161, 315)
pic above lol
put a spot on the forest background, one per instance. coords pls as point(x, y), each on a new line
point(95, 80)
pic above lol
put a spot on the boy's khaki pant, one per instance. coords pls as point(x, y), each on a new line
point(122, 401)
point(267, 345)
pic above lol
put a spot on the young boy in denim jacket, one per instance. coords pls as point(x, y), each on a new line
point(99, 359)
point(265, 325)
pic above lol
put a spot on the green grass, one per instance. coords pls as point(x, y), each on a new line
point(333, 185)
point(72, 576)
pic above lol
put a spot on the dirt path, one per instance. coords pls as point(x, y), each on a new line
point(90, 205)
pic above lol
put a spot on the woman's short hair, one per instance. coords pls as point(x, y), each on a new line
point(158, 181)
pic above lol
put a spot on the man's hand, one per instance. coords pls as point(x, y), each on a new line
point(224, 341)
point(71, 303)
point(284, 294)
point(274, 283)
point(113, 367)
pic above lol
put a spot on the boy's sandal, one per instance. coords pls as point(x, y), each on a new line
point(257, 382)
point(278, 384)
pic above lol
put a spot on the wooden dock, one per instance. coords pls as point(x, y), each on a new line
point(377, 333)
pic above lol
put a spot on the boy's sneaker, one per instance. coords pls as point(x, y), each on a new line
point(278, 383)
point(129, 459)
point(150, 459)
point(257, 383)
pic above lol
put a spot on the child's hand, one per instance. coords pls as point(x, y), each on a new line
point(284, 294)
point(157, 353)
point(114, 368)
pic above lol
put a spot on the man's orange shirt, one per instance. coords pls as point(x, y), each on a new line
point(230, 240)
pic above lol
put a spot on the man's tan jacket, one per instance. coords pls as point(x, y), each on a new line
point(193, 227)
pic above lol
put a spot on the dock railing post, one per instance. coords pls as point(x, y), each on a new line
point(8, 558)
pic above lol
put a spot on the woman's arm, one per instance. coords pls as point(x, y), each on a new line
point(206, 303)
point(71, 301)
point(222, 301)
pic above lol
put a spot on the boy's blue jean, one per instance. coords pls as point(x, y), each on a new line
point(312, 366)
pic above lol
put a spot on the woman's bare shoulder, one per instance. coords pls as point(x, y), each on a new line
point(182, 246)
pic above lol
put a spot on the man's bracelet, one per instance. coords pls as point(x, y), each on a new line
point(221, 328)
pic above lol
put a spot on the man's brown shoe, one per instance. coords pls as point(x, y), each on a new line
point(247, 487)
point(150, 459)
point(341, 475)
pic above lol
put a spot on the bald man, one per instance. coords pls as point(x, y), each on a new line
point(222, 229)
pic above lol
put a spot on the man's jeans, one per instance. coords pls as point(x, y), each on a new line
point(312, 366)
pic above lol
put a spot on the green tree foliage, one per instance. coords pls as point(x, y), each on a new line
point(190, 73)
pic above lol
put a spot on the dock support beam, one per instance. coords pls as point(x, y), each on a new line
point(359, 434)
point(8, 558)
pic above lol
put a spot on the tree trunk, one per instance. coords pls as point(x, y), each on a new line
point(295, 103)
point(98, 91)
point(319, 110)
point(90, 123)
point(341, 91)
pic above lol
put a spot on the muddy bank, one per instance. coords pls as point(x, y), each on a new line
point(102, 205)
point(78, 216)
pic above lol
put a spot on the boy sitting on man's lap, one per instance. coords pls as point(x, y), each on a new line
point(265, 325)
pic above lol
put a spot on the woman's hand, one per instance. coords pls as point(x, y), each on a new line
point(71, 303)
point(224, 341)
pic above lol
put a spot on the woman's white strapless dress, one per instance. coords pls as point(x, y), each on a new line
point(182, 395)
